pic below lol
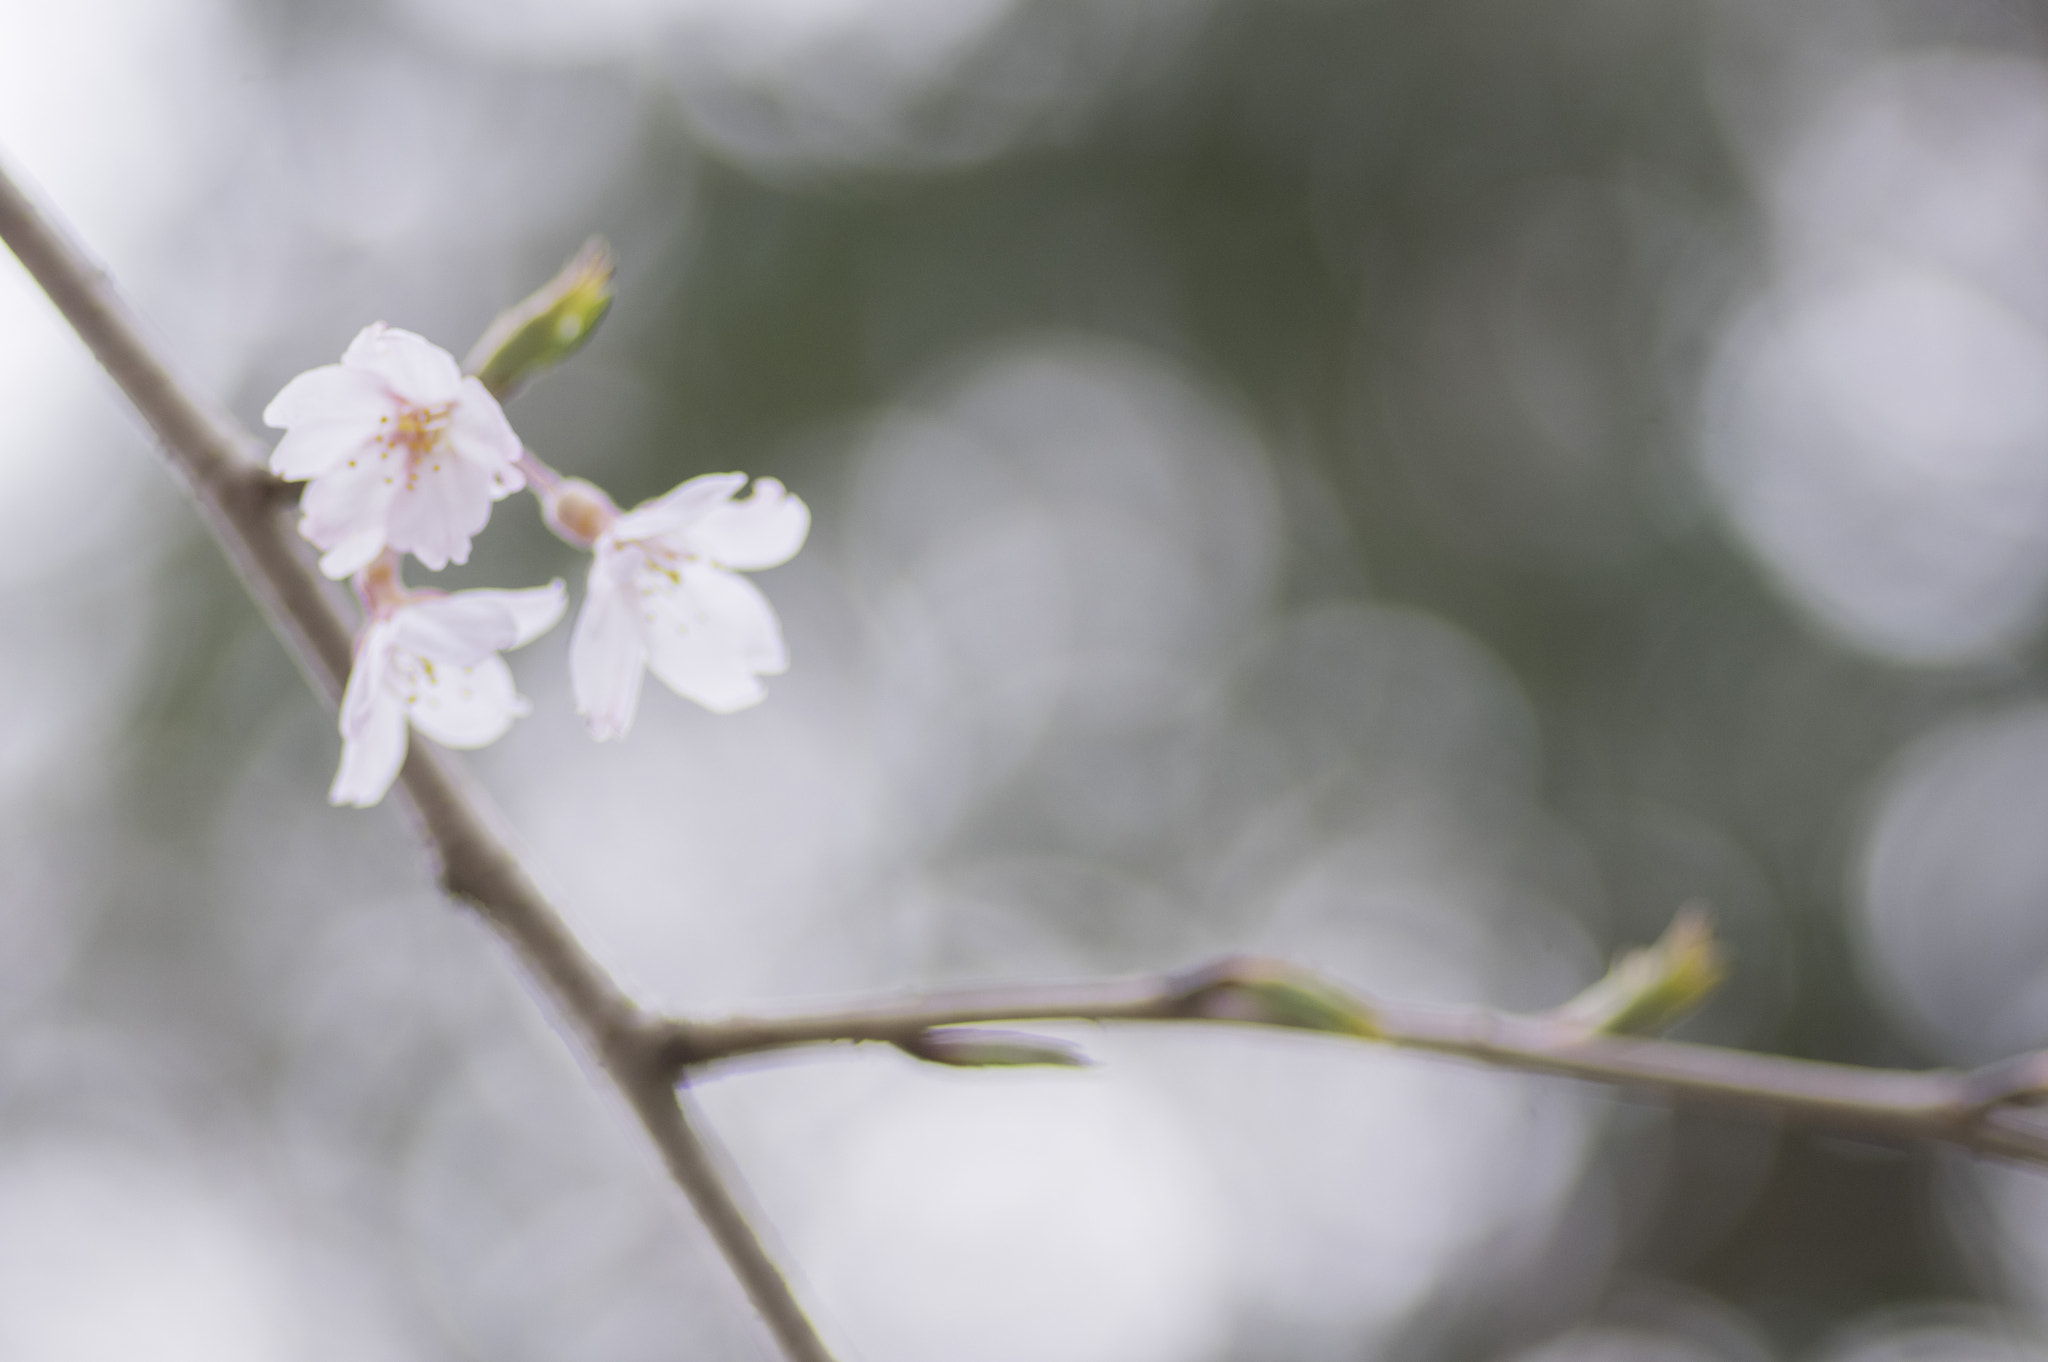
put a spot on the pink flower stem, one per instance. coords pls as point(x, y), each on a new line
point(379, 586)
point(540, 479)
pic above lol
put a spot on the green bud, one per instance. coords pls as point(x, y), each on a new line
point(549, 326)
point(967, 1048)
point(1654, 987)
point(1273, 993)
point(1310, 1004)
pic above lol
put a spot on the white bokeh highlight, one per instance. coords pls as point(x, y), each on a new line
point(1361, 1183)
point(100, 111)
point(820, 86)
point(1950, 882)
point(1933, 1335)
point(1012, 1220)
point(1876, 417)
point(106, 1254)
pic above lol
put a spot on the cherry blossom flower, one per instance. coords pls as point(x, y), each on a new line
point(665, 593)
point(432, 661)
point(398, 449)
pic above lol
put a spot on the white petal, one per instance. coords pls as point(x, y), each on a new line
point(438, 508)
point(353, 554)
point(460, 706)
point(469, 626)
point(607, 656)
point(760, 531)
point(310, 450)
point(710, 636)
point(678, 507)
point(411, 367)
point(451, 630)
point(347, 511)
point(329, 394)
point(534, 611)
point(366, 677)
point(478, 431)
point(372, 754)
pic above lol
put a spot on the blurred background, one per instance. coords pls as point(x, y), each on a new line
point(1421, 487)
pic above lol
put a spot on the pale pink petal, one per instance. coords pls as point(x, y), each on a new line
point(465, 628)
point(411, 367)
point(347, 510)
point(452, 630)
point(607, 656)
point(371, 756)
point(367, 677)
point(478, 431)
point(677, 508)
point(712, 634)
point(439, 508)
point(461, 706)
point(329, 394)
point(331, 412)
point(534, 611)
point(352, 554)
point(711, 676)
point(315, 449)
point(761, 530)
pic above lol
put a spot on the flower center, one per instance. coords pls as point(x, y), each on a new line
point(662, 567)
point(416, 433)
point(665, 603)
point(423, 684)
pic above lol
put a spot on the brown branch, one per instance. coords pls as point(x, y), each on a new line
point(222, 466)
point(1982, 1111)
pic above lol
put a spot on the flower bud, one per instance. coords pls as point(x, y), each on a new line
point(1653, 987)
point(547, 327)
point(1273, 993)
point(965, 1047)
point(578, 511)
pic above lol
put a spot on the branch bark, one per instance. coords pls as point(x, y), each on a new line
point(1985, 1111)
point(222, 466)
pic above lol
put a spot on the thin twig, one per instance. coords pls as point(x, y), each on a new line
point(221, 465)
point(1981, 1111)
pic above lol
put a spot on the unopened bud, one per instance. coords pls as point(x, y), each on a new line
point(578, 511)
point(1653, 987)
point(547, 327)
point(1309, 1005)
point(1274, 993)
point(969, 1047)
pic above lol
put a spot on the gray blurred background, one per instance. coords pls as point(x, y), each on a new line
point(1422, 487)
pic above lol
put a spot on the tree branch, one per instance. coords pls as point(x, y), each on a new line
point(1983, 1111)
point(222, 466)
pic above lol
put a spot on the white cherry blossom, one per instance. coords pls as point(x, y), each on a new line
point(398, 450)
point(665, 594)
point(432, 661)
